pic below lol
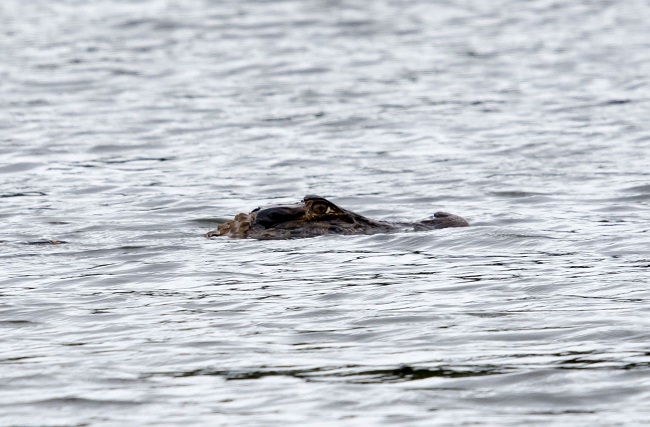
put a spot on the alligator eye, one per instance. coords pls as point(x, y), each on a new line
point(320, 208)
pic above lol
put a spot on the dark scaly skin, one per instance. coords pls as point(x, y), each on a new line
point(317, 216)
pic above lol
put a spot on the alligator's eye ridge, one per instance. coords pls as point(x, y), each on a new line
point(320, 208)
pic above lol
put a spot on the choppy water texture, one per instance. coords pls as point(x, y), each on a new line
point(128, 129)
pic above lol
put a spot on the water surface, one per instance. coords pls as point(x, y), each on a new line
point(130, 129)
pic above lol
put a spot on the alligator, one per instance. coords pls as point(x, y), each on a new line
point(317, 216)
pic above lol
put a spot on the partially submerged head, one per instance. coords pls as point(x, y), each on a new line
point(315, 216)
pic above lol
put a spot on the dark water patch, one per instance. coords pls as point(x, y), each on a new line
point(615, 207)
point(348, 374)
point(112, 149)
point(137, 159)
point(66, 403)
point(608, 103)
point(17, 323)
point(407, 373)
point(605, 364)
point(14, 360)
point(638, 189)
point(45, 242)
point(23, 194)
point(516, 194)
point(148, 24)
point(617, 101)
point(626, 199)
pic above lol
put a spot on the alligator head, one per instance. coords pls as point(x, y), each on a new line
point(317, 216)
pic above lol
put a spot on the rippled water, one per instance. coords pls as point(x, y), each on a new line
point(128, 129)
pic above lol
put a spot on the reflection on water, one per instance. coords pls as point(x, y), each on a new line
point(130, 129)
point(347, 374)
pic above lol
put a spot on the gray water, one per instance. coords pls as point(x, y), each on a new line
point(128, 129)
